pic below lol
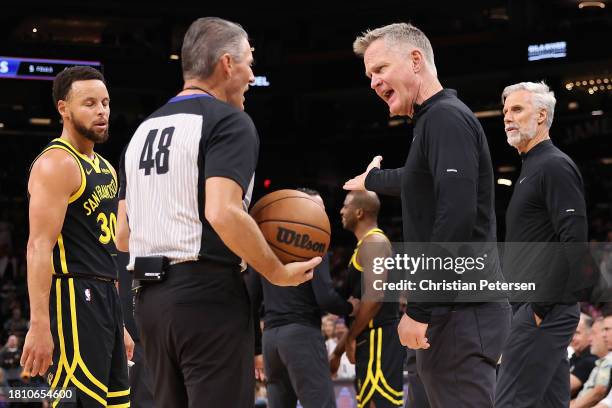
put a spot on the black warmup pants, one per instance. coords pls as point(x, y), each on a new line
point(459, 368)
point(535, 369)
point(297, 367)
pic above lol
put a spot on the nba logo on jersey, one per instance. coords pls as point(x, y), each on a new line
point(88, 295)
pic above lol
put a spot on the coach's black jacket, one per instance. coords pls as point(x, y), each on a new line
point(546, 230)
point(446, 185)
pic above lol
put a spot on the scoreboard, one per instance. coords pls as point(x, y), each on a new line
point(36, 68)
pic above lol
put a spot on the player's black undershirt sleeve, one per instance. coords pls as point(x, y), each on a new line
point(326, 296)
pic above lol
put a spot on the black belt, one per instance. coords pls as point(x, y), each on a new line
point(98, 278)
point(188, 267)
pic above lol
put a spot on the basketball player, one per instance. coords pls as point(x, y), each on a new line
point(371, 342)
point(187, 178)
point(76, 326)
point(447, 193)
point(294, 353)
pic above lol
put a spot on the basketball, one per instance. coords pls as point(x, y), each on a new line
point(295, 226)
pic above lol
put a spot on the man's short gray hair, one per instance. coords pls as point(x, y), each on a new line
point(542, 97)
point(206, 40)
point(398, 33)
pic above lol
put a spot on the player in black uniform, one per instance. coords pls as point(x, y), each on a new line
point(371, 343)
point(76, 327)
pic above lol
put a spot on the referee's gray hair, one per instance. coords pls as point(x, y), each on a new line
point(541, 97)
point(206, 40)
point(398, 33)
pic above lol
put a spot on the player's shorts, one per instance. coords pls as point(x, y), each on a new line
point(379, 364)
point(89, 352)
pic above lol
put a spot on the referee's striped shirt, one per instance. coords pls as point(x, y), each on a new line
point(163, 172)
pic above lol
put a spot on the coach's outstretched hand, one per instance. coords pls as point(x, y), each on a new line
point(296, 273)
point(37, 350)
point(358, 183)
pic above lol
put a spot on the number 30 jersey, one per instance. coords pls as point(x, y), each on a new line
point(86, 243)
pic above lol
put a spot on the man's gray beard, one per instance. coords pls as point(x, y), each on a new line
point(515, 140)
point(523, 137)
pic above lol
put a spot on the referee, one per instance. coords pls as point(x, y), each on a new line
point(446, 188)
point(546, 225)
point(187, 177)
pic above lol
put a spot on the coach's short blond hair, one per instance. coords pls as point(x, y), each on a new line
point(394, 34)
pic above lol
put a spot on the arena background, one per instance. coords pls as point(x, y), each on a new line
point(318, 120)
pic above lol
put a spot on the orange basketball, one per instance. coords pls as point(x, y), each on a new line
point(295, 226)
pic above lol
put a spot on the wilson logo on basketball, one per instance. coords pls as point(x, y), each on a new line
point(290, 237)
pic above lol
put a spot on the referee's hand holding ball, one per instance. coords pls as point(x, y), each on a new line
point(296, 273)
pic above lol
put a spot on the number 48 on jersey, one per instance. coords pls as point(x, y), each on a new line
point(160, 157)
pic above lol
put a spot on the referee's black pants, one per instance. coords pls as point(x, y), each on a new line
point(197, 334)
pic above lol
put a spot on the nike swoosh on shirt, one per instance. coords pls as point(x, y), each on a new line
point(88, 171)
